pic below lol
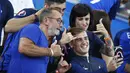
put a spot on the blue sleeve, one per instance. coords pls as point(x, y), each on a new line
point(21, 14)
point(31, 32)
point(117, 39)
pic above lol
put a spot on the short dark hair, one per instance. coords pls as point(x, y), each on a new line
point(98, 14)
point(49, 2)
point(80, 10)
point(75, 30)
point(45, 13)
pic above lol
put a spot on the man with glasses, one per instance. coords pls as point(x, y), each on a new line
point(30, 52)
point(23, 18)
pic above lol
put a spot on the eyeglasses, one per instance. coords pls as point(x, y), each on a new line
point(59, 20)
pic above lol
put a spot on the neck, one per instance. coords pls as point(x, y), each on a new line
point(85, 55)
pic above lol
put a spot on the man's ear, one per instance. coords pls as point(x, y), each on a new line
point(46, 5)
point(46, 21)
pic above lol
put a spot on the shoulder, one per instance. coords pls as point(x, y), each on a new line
point(31, 28)
point(121, 32)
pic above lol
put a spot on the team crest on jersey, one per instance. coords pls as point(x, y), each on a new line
point(22, 13)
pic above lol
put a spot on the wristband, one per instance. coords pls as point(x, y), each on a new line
point(106, 40)
point(36, 18)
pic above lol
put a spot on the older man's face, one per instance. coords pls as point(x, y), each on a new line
point(55, 23)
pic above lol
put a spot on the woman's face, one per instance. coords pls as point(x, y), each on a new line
point(83, 22)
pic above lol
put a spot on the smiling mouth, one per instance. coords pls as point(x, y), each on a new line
point(84, 25)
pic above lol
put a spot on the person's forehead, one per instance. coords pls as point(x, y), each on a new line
point(81, 35)
point(87, 16)
point(56, 14)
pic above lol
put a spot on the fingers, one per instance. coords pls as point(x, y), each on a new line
point(61, 59)
point(70, 66)
point(54, 42)
point(119, 59)
point(97, 32)
point(62, 54)
point(64, 31)
point(119, 63)
point(74, 38)
point(70, 35)
point(100, 21)
point(63, 63)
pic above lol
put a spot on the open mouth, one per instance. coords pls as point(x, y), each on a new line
point(84, 25)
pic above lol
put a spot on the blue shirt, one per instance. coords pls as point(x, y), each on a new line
point(6, 54)
point(123, 39)
point(109, 6)
point(21, 63)
point(81, 64)
point(6, 12)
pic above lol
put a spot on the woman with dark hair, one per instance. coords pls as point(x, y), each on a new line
point(79, 11)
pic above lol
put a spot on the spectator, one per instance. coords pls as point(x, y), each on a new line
point(109, 6)
point(30, 53)
point(15, 24)
point(122, 39)
point(82, 62)
point(6, 12)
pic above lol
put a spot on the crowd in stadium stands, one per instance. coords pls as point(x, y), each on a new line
point(38, 42)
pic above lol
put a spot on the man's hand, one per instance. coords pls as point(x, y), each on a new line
point(56, 49)
point(66, 37)
point(39, 12)
point(115, 63)
point(63, 66)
